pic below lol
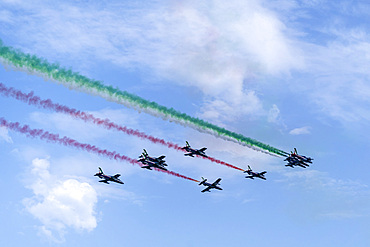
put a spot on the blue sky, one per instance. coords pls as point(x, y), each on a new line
point(287, 73)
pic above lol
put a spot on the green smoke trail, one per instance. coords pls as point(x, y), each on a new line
point(34, 64)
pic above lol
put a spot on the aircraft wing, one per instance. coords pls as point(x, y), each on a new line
point(142, 160)
point(161, 167)
point(104, 181)
point(161, 157)
point(206, 189)
point(203, 149)
point(202, 154)
point(303, 165)
point(263, 173)
point(217, 181)
point(298, 163)
point(117, 175)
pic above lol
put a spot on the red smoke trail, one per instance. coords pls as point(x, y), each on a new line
point(48, 104)
point(66, 141)
point(222, 163)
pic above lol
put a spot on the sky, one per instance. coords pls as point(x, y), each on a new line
point(287, 73)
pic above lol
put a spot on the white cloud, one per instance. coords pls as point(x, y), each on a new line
point(4, 135)
point(301, 131)
point(218, 48)
point(60, 203)
point(340, 88)
point(336, 51)
point(274, 114)
point(215, 47)
point(219, 110)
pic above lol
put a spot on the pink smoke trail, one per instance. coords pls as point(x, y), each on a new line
point(66, 141)
point(222, 163)
point(48, 104)
point(31, 99)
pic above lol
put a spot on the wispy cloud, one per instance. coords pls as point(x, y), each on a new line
point(4, 134)
point(341, 90)
point(336, 50)
point(301, 131)
point(215, 47)
point(339, 198)
point(274, 114)
point(221, 111)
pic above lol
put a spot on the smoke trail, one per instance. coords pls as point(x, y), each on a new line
point(66, 141)
point(31, 99)
point(223, 163)
point(74, 80)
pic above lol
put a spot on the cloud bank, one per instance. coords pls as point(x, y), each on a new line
point(216, 47)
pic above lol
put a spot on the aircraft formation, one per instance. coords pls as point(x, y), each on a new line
point(152, 162)
point(294, 159)
point(149, 162)
point(39, 66)
point(145, 161)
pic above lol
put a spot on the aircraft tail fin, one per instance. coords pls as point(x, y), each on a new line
point(295, 151)
point(187, 144)
point(203, 181)
point(101, 170)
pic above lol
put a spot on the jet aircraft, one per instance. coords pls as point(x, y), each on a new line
point(146, 156)
point(253, 174)
point(210, 186)
point(293, 161)
point(149, 165)
point(107, 178)
point(301, 157)
point(150, 162)
point(193, 151)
